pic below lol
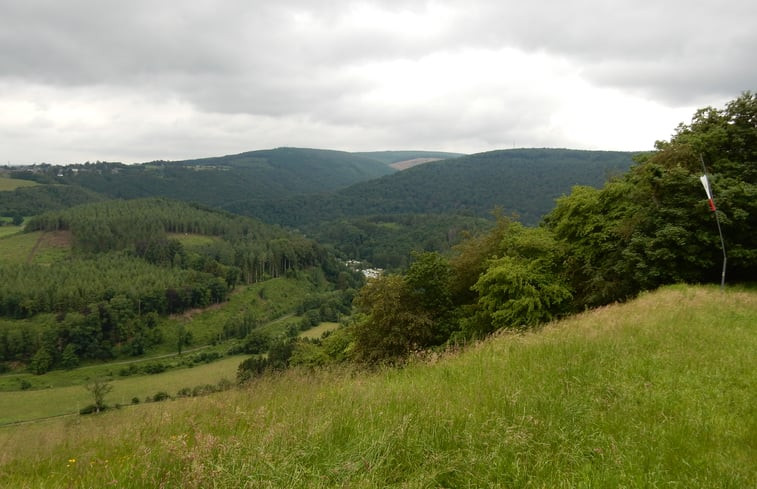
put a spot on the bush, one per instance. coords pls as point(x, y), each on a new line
point(90, 409)
point(161, 396)
point(154, 368)
point(250, 368)
point(202, 390)
point(206, 357)
point(256, 342)
point(130, 370)
point(225, 384)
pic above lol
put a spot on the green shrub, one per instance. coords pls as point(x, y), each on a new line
point(161, 396)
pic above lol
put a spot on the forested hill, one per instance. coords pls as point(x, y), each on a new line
point(147, 249)
point(256, 175)
point(521, 181)
point(30, 201)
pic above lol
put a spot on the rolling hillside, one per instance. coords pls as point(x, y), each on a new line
point(296, 187)
point(256, 175)
point(524, 181)
point(35, 199)
point(656, 392)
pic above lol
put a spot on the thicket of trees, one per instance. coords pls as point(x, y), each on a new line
point(387, 241)
point(653, 226)
point(252, 249)
point(30, 201)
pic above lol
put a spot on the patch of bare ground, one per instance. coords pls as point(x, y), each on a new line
point(191, 313)
point(404, 165)
point(51, 239)
point(57, 239)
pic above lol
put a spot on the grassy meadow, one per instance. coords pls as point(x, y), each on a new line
point(7, 184)
point(8, 229)
point(318, 331)
point(30, 405)
point(658, 392)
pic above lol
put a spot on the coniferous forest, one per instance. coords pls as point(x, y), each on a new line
point(128, 266)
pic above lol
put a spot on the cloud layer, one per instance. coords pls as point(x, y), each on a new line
point(136, 81)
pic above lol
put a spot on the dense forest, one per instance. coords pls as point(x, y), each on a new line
point(30, 201)
point(296, 187)
point(256, 175)
point(380, 220)
point(525, 182)
point(128, 266)
point(387, 241)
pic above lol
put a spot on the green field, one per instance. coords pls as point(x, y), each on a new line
point(36, 247)
point(659, 392)
point(7, 184)
point(61, 390)
point(19, 406)
point(7, 229)
point(17, 247)
point(318, 331)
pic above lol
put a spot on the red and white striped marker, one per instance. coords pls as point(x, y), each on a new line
point(706, 185)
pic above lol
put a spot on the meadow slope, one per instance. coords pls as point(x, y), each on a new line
point(658, 392)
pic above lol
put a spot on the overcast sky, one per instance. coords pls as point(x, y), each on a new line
point(140, 80)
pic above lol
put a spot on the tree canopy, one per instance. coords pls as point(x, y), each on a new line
point(653, 226)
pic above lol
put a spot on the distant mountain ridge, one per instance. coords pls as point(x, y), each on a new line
point(521, 181)
point(299, 186)
point(259, 175)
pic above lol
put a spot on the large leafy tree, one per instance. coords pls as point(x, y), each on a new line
point(653, 226)
point(404, 313)
point(521, 285)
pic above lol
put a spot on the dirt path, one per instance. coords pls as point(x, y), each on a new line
point(50, 240)
point(138, 360)
point(33, 252)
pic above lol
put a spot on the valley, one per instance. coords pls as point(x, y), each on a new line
point(543, 317)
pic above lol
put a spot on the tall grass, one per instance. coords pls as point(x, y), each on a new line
point(28, 405)
point(659, 392)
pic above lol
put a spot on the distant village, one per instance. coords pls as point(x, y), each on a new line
point(357, 265)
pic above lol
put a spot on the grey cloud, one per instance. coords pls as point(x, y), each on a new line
point(262, 52)
point(680, 51)
point(268, 61)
